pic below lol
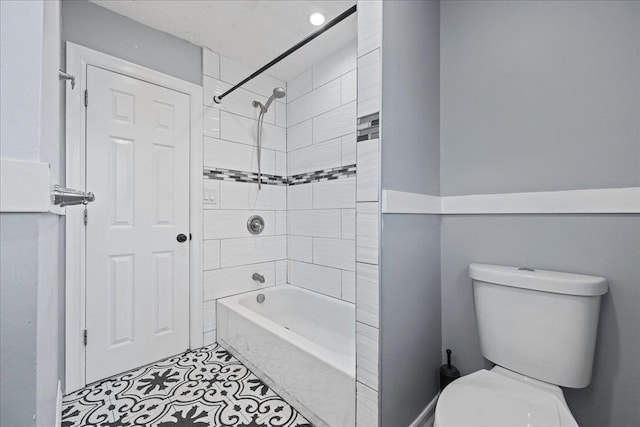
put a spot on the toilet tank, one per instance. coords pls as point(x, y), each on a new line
point(541, 324)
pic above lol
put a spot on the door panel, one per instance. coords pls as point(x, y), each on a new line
point(137, 289)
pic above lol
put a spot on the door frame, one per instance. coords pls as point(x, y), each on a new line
point(78, 59)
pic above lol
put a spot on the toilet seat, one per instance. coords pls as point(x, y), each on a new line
point(502, 398)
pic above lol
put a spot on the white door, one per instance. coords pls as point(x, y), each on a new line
point(137, 272)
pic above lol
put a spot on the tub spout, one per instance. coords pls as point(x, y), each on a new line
point(258, 277)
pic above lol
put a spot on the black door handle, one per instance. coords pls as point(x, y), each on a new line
point(181, 238)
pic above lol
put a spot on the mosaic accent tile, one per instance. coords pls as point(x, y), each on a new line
point(204, 387)
point(240, 176)
point(369, 127)
point(303, 178)
point(323, 175)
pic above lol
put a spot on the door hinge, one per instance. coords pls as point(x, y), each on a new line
point(85, 216)
point(84, 337)
point(86, 97)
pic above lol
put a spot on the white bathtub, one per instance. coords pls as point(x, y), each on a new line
point(300, 343)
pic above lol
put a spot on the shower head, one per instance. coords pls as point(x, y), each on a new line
point(277, 93)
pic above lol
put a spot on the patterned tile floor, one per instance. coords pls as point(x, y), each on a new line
point(205, 387)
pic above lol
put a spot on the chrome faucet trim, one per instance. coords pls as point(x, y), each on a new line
point(258, 277)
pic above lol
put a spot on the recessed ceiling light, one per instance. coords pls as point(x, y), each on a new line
point(316, 18)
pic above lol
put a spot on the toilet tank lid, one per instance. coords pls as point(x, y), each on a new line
point(539, 280)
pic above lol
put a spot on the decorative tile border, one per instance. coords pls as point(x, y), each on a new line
point(369, 127)
point(240, 176)
point(303, 178)
point(323, 175)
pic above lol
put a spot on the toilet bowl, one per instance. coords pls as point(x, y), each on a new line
point(539, 329)
point(501, 398)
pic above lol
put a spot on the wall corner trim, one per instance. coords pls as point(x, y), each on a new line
point(25, 187)
point(428, 415)
point(588, 201)
point(410, 203)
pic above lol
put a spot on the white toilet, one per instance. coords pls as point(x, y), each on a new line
point(539, 328)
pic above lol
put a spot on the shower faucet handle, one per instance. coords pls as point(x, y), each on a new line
point(255, 224)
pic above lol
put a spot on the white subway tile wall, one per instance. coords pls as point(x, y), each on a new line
point(300, 248)
point(219, 153)
point(282, 268)
point(349, 92)
point(240, 195)
point(316, 223)
point(210, 64)
point(325, 280)
point(299, 197)
point(367, 222)
point(336, 253)
point(337, 193)
point(338, 64)
point(300, 85)
point(209, 316)
point(211, 122)
point(349, 149)
point(366, 403)
point(367, 233)
point(349, 286)
point(281, 222)
point(321, 135)
point(369, 26)
point(209, 337)
point(252, 250)
point(349, 224)
point(237, 128)
point(211, 254)
point(367, 357)
point(223, 282)
point(368, 175)
point(367, 285)
point(300, 135)
point(314, 103)
point(315, 157)
point(369, 83)
point(335, 123)
point(232, 254)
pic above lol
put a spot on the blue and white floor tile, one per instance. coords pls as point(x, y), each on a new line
point(200, 388)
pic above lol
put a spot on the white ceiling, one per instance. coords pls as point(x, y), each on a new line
point(252, 32)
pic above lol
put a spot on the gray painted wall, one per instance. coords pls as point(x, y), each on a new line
point(600, 245)
point(411, 96)
point(544, 96)
point(539, 95)
point(410, 327)
point(100, 29)
point(410, 331)
point(30, 318)
point(18, 318)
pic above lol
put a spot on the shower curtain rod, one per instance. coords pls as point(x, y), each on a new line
point(218, 98)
